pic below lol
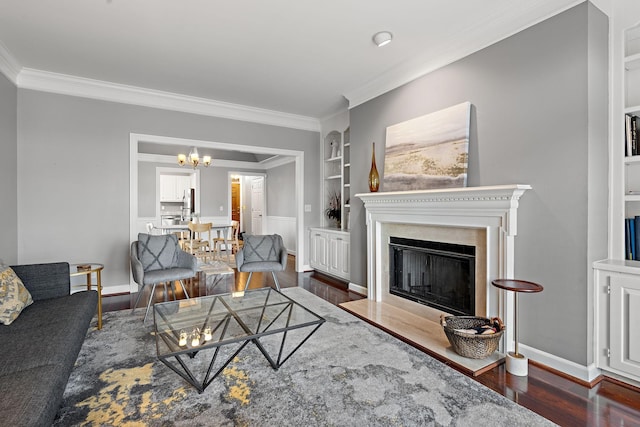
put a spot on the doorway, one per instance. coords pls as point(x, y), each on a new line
point(137, 223)
point(247, 189)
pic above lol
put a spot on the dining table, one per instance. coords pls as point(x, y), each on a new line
point(221, 229)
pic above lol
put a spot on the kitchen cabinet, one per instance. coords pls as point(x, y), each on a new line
point(174, 187)
point(330, 252)
point(617, 299)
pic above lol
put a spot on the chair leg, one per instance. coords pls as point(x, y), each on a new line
point(153, 291)
point(137, 299)
point(184, 288)
point(248, 280)
point(275, 279)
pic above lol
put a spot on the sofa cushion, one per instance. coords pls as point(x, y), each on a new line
point(157, 252)
point(31, 397)
point(14, 297)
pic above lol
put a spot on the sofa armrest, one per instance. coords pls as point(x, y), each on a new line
point(45, 281)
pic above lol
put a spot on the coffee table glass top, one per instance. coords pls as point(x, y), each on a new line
point(189, 325)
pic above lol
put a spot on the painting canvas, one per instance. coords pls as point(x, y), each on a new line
point(428, 152)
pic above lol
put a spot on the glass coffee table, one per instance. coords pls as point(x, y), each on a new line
point(217, 327)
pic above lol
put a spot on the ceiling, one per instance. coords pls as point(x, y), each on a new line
point(307, 58)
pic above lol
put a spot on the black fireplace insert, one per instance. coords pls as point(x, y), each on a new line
point(437, 274)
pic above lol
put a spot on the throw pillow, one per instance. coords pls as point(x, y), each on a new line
point(157, 252)
point(14, 297)
point(261, 248)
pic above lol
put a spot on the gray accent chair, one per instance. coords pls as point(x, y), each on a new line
point(262, 254)
point(159, 259)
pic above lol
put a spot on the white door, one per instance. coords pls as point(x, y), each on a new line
point(257, 205)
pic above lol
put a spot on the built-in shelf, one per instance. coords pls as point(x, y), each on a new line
point(334, 159)
point(334, 177)
point(347, 185)
point(346, 165)
point(347, 144)
point(347, 205)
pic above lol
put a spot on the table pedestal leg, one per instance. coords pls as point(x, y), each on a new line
point(516, 363)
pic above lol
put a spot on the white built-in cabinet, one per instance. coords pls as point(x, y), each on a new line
point(617, 281)
point(329, 245)
point(617, 301)
point(329, 252)
point(174, 187)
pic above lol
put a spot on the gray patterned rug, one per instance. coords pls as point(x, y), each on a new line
point(347, 373)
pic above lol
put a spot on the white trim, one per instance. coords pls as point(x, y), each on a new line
point(9, 66)
point(584, 373)
point(276, 161)
point(357, 288)
point(29, 78)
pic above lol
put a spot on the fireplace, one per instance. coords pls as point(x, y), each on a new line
point(484, 218)
point(437, 274)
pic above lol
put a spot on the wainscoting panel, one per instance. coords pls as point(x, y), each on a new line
point(284, 226)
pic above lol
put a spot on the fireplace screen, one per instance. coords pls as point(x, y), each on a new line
point(441, 275)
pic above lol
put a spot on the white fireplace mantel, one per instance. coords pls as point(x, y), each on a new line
point(492, 208)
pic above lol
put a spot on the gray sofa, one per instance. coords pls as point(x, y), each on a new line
point(38, 350)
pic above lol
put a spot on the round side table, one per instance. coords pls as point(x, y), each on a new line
point(517, 364)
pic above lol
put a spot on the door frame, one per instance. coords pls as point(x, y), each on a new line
point(243, 174)
point(136, 138)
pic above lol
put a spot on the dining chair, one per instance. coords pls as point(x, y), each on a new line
point(199, 243)
point(232, 240)
point(262, 254)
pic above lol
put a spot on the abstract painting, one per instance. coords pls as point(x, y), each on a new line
point(428, 152)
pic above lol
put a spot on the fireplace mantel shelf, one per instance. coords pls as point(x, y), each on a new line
point(464, 194)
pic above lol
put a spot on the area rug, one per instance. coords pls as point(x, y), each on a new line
point(347, 373)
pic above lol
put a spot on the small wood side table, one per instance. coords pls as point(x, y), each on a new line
point(93, 268)
point(517, 364)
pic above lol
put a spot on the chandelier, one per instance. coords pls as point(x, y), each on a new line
point(193, 159)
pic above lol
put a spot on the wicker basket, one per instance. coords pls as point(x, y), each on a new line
point(471, 345)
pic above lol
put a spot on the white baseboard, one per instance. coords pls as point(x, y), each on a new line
point(358, 289)
point(581, 372)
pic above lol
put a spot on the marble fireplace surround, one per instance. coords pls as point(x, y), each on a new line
point(485, 217)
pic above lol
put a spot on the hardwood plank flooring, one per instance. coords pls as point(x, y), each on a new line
point(555, 397)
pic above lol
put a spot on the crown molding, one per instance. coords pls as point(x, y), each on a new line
point(471, 40)
point(64, 84)
point(276, 161)
point(9, 66)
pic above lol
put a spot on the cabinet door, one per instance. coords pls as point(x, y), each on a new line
point(624, 332)
point(183, 186)
point(318, 256)
point(345, 249)
point(167, 188)
point(339, 255)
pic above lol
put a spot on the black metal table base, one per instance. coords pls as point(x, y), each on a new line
point(181, 368)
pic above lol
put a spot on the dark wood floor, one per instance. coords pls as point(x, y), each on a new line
point(555, 397)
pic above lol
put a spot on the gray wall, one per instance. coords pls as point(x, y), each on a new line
point(539, 117)
point(8, 172)
point(73, 173)
point(280, 190)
